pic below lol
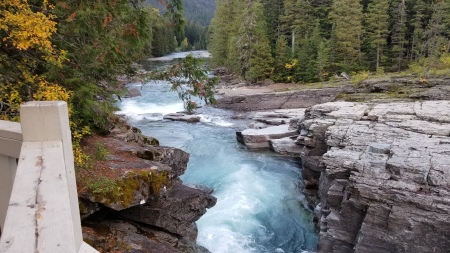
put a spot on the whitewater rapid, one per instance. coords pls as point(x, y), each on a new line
point(260, 207)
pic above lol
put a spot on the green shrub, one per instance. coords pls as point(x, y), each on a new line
point(101, 185)
point(100, 153)
point(360, 76)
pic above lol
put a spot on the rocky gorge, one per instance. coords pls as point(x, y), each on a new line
point(377, 173)
point(375, 170)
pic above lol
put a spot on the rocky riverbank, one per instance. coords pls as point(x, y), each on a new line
point(239, 96)
point(376, 173)
point(134, 200)
point(384, 183)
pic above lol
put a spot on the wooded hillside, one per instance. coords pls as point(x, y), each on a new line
point(304, 41)
point(197, 14)
point(199, 11)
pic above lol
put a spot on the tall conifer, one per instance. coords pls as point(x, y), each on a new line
point(377, 27)
point(252, 43)
point(346, 17)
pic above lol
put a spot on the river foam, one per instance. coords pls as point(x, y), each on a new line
point(259, 207)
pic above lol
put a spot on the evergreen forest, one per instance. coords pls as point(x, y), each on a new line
point(197, 15)
point(313, 40)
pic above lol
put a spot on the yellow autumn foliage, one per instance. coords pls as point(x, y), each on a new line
point(25, 40)
point(291, 64)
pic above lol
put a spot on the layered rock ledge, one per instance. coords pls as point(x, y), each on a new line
point(279, 100)
point(382, 172)
point(134, 201)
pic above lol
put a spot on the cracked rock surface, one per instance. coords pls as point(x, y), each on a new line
point(384, 175)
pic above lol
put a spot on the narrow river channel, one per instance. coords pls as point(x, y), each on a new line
point(260, 206)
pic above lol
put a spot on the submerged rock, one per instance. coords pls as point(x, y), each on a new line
point(133, 92)
point(384, 175)
point(190, 118)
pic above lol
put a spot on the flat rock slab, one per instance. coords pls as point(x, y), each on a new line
point(259, 138)
point(190, 118)
point(279, 100)
point(278, 117)
point(286, 146)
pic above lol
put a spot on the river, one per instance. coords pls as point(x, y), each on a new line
point(260, 207)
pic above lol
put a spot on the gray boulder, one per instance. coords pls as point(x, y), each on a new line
point(133, 92)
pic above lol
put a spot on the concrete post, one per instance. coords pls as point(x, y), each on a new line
point(49, 121)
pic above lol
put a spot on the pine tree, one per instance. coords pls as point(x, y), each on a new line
point(418, 36)
point(282, 56)
point(252, 43)
point(377, 26)
point(220, 32)
point(233, 61)
point(437, 33)
point(322, 60)
point(307, 55)
point(398, 32)
point(273, 9)
point(297, 20)
point(327, 35)
point(346, 17)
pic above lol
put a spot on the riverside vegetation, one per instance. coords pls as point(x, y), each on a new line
point(74, 51)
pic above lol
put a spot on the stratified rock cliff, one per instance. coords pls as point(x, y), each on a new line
point(384, 173)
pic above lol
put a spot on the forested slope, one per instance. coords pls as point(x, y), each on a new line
point(197, 14)
point(199, 11)
point(299, 40)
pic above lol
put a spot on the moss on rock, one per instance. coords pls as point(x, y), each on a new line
point(131, 188)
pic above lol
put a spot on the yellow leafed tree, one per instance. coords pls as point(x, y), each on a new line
point(25, 49)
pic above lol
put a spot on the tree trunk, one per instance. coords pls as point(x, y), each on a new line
point(378, 57)
point(293, 43)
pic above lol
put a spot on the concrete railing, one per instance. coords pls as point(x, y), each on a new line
point(38, 196)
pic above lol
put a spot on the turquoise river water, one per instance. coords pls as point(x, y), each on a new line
point(260, 206)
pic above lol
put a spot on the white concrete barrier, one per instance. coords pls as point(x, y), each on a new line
point(10, 144)
point(42, 214)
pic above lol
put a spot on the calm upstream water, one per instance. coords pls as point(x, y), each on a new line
point(259, 207)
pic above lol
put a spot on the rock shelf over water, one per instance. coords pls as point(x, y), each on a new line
point(138, 202)
point(385, 175)
point(378, 175)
